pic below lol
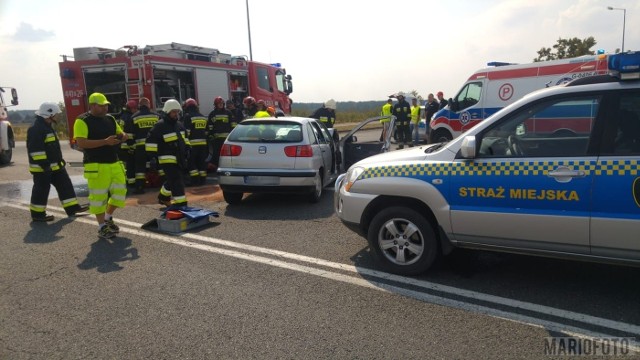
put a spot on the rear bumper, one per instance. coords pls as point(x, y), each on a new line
point(234, 180)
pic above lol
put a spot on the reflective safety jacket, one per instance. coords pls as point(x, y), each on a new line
point(43, 147)
point(220, 123)
point(402, 111)
point(325, 115)
point(196, 126)
point(415, 114)
point(386, 111)
point(139, 126)
point(261, 114)
point(167, 140)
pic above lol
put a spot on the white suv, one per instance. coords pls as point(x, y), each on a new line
point(556, 173)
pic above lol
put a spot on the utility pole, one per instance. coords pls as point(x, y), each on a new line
point(249, 31)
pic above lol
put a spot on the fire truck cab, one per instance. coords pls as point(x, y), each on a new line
point(168, 71)
point(490, 89)
point(7, 141)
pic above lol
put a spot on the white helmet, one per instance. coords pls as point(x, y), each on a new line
point(48, 109)
point(331, 104)
point(171, 104)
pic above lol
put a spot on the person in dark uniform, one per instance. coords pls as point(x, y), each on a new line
point(219, 125)
point(196, 126)
point(142, 121)
point(126, 152)
point(167, 140)
point(250, 107)
point(238, 116)
point(326, 114)
point(402, 112)
point(48, 167)
point(441, 100)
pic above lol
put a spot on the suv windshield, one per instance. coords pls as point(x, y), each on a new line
point(272, 131)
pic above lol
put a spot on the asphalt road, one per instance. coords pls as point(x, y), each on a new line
point(275, 277)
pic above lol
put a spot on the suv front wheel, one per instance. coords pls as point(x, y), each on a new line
point(403, 240)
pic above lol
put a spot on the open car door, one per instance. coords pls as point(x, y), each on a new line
point(365, 140)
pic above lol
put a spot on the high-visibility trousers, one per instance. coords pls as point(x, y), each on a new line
point(107, 185)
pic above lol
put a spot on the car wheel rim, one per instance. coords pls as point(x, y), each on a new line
point(401, 241)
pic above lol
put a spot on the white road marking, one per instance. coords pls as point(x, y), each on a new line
point(358, 281)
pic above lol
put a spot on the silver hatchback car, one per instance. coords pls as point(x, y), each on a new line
point(277, 155)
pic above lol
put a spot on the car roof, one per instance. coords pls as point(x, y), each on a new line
point(297, 119)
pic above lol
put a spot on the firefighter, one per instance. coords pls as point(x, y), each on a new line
point(196, 126)
point(402, 112)
point(250, 107)
point(238, 116)
point(326, 114)
point(99, 136)
point(47, 166)
point(141, 122)
point(219, 125)
point(126, 152)
point(262, 110)
point(167, 140)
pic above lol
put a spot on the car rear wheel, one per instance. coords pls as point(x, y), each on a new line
point(316, 193)
point(232, 197)
point(403, 240)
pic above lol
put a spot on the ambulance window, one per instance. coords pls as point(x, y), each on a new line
point(555, 128)
point(469, 95)
point(263, 78)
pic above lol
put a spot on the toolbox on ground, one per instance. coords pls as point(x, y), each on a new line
point(181, 219)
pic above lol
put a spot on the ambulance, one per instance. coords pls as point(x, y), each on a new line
point(7, 141)
point(500, 84)
point(510, 184)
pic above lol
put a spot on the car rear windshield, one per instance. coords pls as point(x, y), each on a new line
point(256, 131)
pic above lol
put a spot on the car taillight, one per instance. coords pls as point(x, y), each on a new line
point(230, 150)
point(298, 151)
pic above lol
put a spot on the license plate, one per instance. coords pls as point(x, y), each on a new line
point(262, 180)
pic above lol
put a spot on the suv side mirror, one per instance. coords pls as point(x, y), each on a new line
point(14, 97)
point(468, 148)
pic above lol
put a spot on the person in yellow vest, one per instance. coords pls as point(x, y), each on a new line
point(99, 136)
point(415, 121)
point(386, 111)
point(262, 110)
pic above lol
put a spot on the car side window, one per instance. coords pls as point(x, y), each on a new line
point(325, 132)
point(313, 139)
point(627, 128)
point(554, 128)
point(318, 133)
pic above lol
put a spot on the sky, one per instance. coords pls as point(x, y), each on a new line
point(348, 50)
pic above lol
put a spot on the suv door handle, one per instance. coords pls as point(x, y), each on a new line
point(564, 174)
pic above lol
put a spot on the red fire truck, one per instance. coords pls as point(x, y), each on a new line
point(168, 71)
